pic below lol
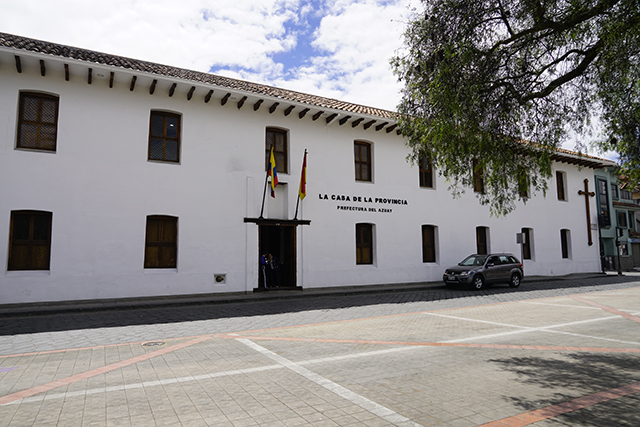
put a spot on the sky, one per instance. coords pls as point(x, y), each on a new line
point(333, 48)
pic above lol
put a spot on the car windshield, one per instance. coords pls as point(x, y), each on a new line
point(473, 260)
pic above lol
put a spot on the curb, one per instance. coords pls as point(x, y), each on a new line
point(61, 307)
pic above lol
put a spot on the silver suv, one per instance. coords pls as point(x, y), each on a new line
point(478, 270)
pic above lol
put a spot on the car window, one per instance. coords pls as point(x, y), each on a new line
point(505, 260)
point(494, 260)
point(473, 260)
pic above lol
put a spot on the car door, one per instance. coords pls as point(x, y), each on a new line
point(505, 268)
point(492, 269)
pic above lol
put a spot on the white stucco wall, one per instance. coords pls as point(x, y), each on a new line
point(100, 187)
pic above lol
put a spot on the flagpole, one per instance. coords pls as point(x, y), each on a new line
point(295, 217)
point(304, 164)
point(264, 191)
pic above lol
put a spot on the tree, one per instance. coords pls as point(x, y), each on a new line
point(501, 84)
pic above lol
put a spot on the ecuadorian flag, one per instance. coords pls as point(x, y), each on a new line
point(273, 173)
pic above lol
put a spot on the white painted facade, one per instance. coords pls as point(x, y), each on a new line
point(100, 188)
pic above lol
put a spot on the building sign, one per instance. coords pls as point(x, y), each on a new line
point(364, 203)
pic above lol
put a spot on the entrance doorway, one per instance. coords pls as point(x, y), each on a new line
point(279, 241)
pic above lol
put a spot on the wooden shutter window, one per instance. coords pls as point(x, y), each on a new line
point(364, 244)
point(164, 137)
point(30, 240)
point(481, 241)
point(560, 185)
point(362, 156)
point(526, 246)
point(428, 243)
point(564, 239)
point(277, 139)
point(161, 243)
point(426, 173)
point(478, 177)
point(38, 121)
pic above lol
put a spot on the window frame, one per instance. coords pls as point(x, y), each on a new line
point(155, 262)
point(623, 215)
point(604, 213)
point(281, 156)
point(565, 243)
point(164, 137)
point(523, 183)
point(429, 243)
point(364, 232)
point(478, 177)
point(615, 191)
point(527, 244)
point(479, 244)
point(561, 186)
point(426, 173)
point(29, 242)
point(359, 163)
point(38, 122)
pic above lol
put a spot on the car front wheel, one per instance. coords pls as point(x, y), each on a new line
point(478, 282)
point(515, 280)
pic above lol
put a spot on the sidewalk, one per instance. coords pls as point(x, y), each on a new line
point(26, 309)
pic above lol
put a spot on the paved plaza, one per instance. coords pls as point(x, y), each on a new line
point(551, 353)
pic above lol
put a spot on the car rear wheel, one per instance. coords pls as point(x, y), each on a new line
point(515, 280)
point(478, 282)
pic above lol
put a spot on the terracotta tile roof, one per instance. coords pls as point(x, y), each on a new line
point(32, 45)
point(63, 51)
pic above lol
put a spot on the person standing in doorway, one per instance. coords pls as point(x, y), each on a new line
point(263, 268)
point(274, 267)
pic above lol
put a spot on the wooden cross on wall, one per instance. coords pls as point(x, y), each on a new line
point(586, 195)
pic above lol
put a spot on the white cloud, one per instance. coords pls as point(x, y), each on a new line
point(353, 42)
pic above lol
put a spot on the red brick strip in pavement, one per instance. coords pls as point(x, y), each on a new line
point(563, 408)
point(607, 308)
point(92, 373)
point(434, 344)
point(64, 350)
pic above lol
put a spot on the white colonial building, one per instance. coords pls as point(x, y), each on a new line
point(122, 178)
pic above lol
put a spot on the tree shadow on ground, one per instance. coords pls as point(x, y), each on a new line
point(71, 318)
point(577, 375)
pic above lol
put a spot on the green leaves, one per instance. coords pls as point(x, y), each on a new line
point(500, 84)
